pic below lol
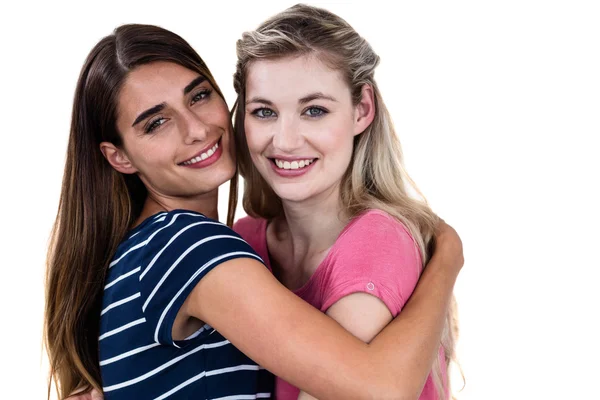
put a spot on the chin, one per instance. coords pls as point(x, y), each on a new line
point(292, 193)
point(223, 175)
point(218, 175)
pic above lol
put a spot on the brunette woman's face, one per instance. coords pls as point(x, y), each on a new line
point(176, 131)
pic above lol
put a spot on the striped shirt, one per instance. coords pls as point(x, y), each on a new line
point(153, 271)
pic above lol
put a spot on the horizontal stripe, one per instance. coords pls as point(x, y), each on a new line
point(164, 366)
point(159, 220)
point(120, 302)
point(158, 217)
point(198, 332)
point(209, 373)
point(122, 328)
point(136, 247)
point(128, 354)
point(246, 396)
point(181, 386)
point(120, 278)
point(233, 369)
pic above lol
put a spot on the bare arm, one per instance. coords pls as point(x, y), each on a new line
point(361, 314)
point(246, 304)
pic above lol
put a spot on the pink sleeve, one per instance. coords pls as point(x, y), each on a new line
point(249, 229)
point(375, 255)
point(246, 227)
point(252, 230)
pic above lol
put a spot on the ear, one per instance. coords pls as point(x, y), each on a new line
point(364, 111)
point(117, 158)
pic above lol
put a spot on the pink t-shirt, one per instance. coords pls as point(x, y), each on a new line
point(374, 254)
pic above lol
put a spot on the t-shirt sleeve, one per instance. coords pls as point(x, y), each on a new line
point(250, 230)
point(375, 255)
point(181, 251)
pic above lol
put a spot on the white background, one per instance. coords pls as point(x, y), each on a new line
point(497, 105)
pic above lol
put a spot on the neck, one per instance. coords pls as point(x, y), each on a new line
point(206, 203)
point(314, 224)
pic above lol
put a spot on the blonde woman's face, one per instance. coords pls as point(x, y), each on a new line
point(300, 124)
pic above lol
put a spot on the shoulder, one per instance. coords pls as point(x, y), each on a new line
point(182, 225)
point(179, 234)
point(177, 219)
point(248, 226)
point(375, 254)
point(180, 248)
point(253, 231)
point(379, 228)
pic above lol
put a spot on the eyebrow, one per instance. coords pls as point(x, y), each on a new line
point(193, 84)
point(159, 107)
point(149, 112)
point(304, 100)
point(315, 96)
point(259, 100)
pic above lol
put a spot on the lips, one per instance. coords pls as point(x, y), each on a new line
point(208, 156)
point(295, 164)
point(292, 167)
point(202, 156)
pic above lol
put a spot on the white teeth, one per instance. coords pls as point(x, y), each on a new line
point(293, 164)
point(202, 156)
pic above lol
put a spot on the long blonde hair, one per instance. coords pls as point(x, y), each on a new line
point(375, 178)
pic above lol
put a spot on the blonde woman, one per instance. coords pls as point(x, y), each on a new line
point(149, 296)
point(330, 212)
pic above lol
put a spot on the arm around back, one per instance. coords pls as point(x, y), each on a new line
point(246, 304)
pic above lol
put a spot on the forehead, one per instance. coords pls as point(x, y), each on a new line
point(152, 84)
point(293, 77)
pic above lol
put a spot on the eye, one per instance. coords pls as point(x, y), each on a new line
point(263, 113)
point(154, 124)
point(315, 112)
point(201, 95)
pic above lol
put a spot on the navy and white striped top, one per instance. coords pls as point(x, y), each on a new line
point(154, 270)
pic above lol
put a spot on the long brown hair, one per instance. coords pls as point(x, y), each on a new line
point(97, 204)
point(375, 178)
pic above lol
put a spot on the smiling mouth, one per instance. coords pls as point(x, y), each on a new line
point(202, 156)
point(296, 164)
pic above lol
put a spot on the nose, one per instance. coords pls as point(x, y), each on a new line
point(193, 128)
point(287, 136)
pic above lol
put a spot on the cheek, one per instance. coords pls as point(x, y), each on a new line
point(223, 115)
point(336, 138)
point(140, 152)
point(158, 151)
point(215, 113)
point(255, 140)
